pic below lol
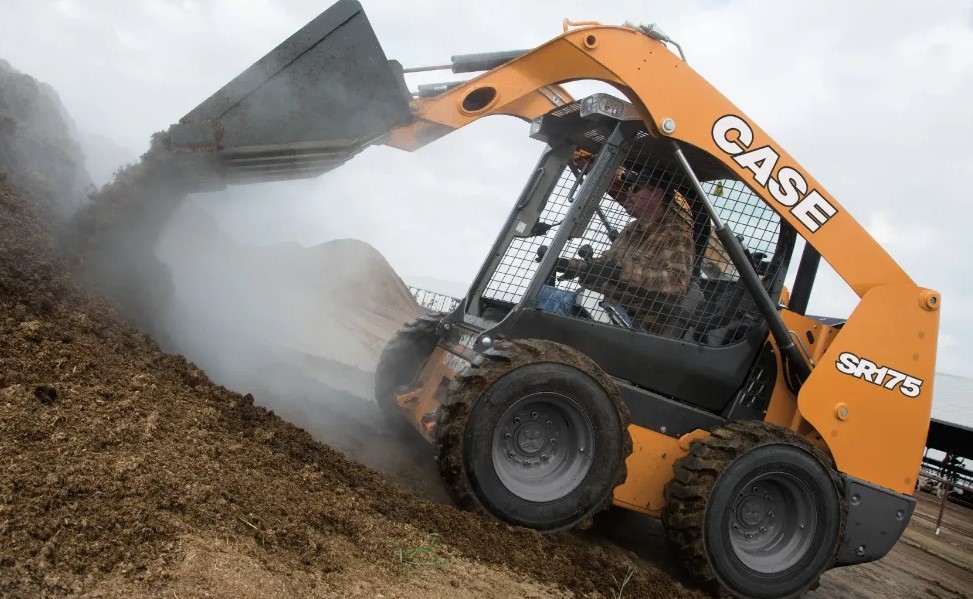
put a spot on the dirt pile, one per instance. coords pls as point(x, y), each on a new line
point(37, 142)
point(127, 471)
point(322, 313)
point(111, 240)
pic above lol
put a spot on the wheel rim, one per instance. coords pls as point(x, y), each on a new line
point(772, 523)
point(543, 447)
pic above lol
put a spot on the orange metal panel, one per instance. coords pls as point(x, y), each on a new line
point(874, 415)
point(424, 131)
point(783, 408)
point(783, 405)
point(421, 404)
point(649, 469)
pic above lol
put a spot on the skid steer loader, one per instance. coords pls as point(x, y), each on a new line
point(628, 339)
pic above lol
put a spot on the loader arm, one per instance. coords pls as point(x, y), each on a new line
point(429, 125)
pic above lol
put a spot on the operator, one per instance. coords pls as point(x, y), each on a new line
point(647, 269)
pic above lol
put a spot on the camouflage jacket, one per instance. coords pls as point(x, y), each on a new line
point(654, 260)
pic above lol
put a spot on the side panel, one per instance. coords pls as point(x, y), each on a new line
point(649, 469)
point(815, 338)
point(870, 395)
point(667, 366)
point(876, 519)
point(419, 406)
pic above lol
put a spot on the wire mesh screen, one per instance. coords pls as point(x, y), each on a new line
point(646, 257)
point(730, 310)
point(637, 250)
point(649, 259)
point(513, 275)
point(435, 302)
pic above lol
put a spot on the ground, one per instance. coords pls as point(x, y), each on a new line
point(920, 565)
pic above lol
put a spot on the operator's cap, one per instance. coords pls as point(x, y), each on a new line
point(660, 176)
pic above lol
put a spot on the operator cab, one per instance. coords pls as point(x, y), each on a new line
point(651, 341)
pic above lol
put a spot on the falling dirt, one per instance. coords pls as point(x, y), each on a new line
point(109, 243)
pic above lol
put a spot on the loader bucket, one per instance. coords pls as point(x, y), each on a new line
point(309, 105)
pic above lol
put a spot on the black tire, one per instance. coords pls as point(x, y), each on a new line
point(557, 405)
point(400, 362)
point(754, 508)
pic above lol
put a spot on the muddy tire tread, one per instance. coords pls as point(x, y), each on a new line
point(503, 358)
point(696, 474)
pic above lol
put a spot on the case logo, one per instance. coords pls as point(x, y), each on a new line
point(734, 136)
point(883, 376)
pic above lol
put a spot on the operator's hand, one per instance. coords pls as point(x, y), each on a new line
point(570, 268)
point(583, 160)
point(601, 274)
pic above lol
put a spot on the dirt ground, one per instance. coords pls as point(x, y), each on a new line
point(920, 565)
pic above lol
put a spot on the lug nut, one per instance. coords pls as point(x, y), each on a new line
point(553, 441)
point(511, 453)
point(533, 414)
point(526, 462)
point(516, 419)
point(763, 529)
point(549, 424)
point(543, 457)
point(507, 436)
point(770, 514)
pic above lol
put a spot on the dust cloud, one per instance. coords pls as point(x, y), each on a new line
point(300, 328)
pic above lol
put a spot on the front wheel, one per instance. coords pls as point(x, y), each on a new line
point(755, 508)
point(534, 434)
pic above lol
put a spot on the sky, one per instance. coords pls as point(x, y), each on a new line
point(872, 98)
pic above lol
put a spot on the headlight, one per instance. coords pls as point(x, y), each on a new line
point(609, 106)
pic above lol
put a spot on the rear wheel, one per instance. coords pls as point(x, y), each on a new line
point(400, 362)
point(535, 434)
point(756, 508)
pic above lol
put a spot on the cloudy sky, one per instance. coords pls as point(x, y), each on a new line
point(873, 98)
